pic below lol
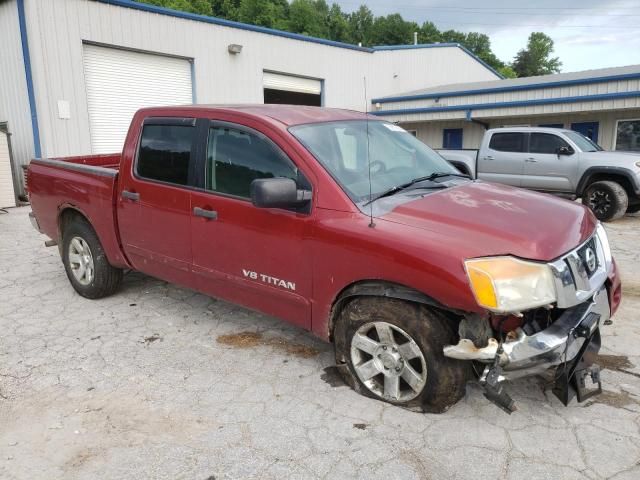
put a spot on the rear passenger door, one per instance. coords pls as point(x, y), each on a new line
point(545, 169)
point(252, 256)
point(502, 159)
point(154, 207)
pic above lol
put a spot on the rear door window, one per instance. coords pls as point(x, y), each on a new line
point(508, 142)
point(165, 153)
point(236, 157)
point(546, 143)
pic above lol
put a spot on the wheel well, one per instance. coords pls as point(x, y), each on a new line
point(612, 177)
point(381, 288)
point(65, 217)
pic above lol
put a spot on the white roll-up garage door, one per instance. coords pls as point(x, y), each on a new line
point(119, 82)
point(7, 196)
point(289, 83)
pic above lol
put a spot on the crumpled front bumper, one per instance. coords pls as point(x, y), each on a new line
point(559, 343)
point(527, 355)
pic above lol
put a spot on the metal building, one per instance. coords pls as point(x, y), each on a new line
point(602, 104)
point(74, 71)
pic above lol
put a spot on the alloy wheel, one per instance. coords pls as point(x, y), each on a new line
point(388, 361)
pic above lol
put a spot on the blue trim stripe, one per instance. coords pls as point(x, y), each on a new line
point(280, 33)
point(512, 88)
point(27, 71)
point(516, 103)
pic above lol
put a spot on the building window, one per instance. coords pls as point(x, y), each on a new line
point(452, 138)
point(628, 135)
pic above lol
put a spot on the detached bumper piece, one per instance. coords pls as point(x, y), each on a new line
point(571, 344)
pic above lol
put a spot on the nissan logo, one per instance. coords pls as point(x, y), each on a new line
point(590, 259)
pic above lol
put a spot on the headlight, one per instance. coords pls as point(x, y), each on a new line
point(606, 249)
point(506, 284)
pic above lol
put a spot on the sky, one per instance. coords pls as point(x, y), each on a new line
point(588, 34)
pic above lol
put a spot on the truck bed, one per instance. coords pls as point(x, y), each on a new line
point(86, 184)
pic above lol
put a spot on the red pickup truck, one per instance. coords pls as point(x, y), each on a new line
point(350, 227)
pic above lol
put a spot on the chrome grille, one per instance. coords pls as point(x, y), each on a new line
point(581, 272)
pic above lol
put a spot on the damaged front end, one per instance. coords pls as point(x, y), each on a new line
point(564, 334)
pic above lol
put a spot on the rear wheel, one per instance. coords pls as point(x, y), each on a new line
point(392, 350)
point(85, 262)
point(606, 199)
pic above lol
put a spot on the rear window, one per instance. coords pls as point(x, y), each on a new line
point(165, 153)
point(507, 142)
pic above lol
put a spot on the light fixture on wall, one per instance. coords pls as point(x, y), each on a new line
point(234, 49)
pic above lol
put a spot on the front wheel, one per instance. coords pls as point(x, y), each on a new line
point(85, 262)
point(391, 350)
point(606, 199)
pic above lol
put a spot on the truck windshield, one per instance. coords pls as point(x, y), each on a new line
point(585, 144)
point(394, 156)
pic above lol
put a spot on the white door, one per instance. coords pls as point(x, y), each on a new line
point(7, 196)
point(119, 82)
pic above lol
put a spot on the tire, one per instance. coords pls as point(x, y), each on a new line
point(442, 380)
point(606, 199)
point(81, 248)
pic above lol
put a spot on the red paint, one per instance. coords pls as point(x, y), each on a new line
point(421, 244)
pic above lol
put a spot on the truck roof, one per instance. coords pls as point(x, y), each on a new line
point(286, 114)
point(530, 129)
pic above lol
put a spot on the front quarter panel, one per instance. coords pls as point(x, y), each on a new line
point(347, 250)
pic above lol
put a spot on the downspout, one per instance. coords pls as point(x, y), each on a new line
point(27, 71)
point(473, 120)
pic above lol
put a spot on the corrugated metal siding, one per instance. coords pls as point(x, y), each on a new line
point(57, 30)
point(542, 93)
point(14, 102)
point(431, 132)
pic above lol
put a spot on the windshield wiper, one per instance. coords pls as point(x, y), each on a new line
point(404, 186)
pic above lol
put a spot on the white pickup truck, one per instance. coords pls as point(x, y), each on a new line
point(556, 161)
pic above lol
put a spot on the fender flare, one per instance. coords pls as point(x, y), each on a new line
point(382, 288)
point(607, 170)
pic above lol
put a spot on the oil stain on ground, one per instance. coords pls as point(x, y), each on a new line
point(254, 339)
point(332, 376)
point(614, 399)
point(617, 363)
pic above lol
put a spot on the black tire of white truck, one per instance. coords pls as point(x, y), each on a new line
point(607, 199)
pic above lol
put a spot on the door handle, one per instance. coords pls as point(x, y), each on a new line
point(133, 196)
point(488, 157)
point(531, 159)
point(208, 214)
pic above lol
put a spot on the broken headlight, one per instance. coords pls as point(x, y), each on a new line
point(507, 284)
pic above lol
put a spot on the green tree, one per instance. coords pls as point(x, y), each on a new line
point(536, 59)
point(227, 9)
point(507, 72)
point(265, 13)
point(429, 33)
point(309, 17)
point(393, 30)
point(361, 25)
point(338, 25)
point(202, 7)
point(480, 45)
point(453, 36)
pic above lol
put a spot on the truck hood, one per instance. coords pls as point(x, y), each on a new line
point(489, 219)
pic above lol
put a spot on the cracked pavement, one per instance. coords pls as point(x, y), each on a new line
point(161, 382)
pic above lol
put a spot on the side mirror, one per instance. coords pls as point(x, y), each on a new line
point(277, 193)
point(565, 151)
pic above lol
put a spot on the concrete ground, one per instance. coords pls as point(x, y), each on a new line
point(161, 382)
